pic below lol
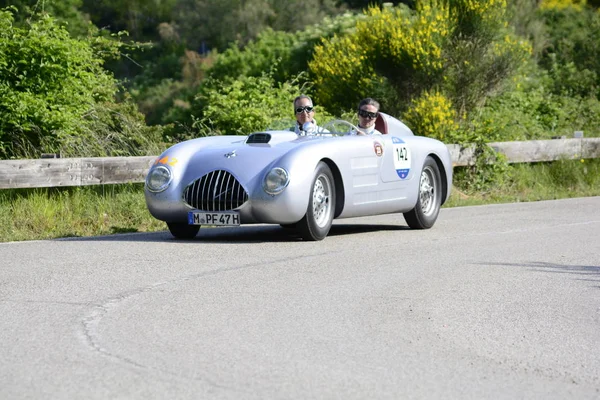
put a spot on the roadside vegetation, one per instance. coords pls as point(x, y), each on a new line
point(83, 78)
point(104, 210)
point(48, 213)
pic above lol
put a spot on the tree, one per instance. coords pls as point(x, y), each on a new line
point(66, 12)
point(244, 105)
point(207, 24)
point(138, 17)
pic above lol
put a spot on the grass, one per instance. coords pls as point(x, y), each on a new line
point(47, 213)
point(29, 214)
point(534, 182)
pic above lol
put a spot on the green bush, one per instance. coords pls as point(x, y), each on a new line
point(167, 101)
point(237, 107)
point(285, 54)
point(573, 51)
point(531, 109)
point(272, 50)
point(48, 80)
point(112, 129)
point(56, 97)
point(67, 12)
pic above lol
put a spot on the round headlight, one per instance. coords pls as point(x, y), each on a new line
point(158, 179)
point(275, 181)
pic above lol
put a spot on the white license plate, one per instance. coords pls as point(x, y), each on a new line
point(229, 218)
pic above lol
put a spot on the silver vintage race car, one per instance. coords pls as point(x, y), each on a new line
point(301, 182)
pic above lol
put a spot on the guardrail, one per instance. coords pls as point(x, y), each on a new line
point(60, 172)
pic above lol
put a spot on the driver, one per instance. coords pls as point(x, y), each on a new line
point(368, 110)
point(306, 124)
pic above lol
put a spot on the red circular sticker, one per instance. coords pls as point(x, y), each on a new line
point(378, 149)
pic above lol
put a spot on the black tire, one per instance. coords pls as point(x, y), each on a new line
point(429, 201)
point(182, 230)
point(315, 225)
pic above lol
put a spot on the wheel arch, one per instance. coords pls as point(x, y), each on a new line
point(443, 176)
point(340, 195)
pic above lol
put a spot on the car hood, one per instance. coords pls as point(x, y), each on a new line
point(243, 156)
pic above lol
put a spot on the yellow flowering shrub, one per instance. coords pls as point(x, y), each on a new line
point(431, 115)
point(486, 10)
point(340, 70)
point(562, 4)
point(408, 41)
point(514, 45)
point(477, 19)
point(432, 64)
point(391, 46)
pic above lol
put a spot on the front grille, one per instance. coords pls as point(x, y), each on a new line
point(259, 138)
point(215, 191)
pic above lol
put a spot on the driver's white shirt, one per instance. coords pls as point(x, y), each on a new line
point(366, 131)
point(298, 129)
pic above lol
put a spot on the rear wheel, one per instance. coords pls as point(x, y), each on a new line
point(426, 211)
point(319, 215)
point(182, 230)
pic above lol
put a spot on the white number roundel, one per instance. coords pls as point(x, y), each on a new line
point(402, 157)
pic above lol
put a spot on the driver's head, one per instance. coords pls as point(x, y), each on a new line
point(303, 108)
point(367, 112)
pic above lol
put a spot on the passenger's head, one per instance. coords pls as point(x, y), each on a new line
point(368, 109)
point(304, 110)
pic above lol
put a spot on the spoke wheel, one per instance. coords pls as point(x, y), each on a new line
point(427, 193)
point(321, 204)
point(426, 211)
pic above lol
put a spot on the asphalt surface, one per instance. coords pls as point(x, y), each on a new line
point(493, 302)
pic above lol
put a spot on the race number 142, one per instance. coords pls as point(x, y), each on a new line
point(401, 153)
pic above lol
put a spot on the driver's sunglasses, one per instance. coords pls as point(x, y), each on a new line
point(305, 108)
point(367, 114)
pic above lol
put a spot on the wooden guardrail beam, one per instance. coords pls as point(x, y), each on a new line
point(548, 150)
point(533, 150)
point(58, 172)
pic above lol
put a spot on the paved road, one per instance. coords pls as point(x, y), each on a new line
point(494, 302)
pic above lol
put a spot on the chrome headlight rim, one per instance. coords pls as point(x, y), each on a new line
point(276, 180)
point(164, 185)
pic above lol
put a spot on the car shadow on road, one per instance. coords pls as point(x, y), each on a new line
point(588, 273)
point(242, 234)
point(352, 229)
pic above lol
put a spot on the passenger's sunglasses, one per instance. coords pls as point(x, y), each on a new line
point(305, 108)
point(367, 114)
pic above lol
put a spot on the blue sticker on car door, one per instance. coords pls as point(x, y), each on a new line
point(402, 157)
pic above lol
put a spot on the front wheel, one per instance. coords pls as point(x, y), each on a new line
point(182, 230)
point(426, 211)
point(321, 204)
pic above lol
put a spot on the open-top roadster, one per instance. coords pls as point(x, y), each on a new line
point(303, 182)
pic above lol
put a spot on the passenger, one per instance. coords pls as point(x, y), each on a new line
point(305, 116)
point(368, 110)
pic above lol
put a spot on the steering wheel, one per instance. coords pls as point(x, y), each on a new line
point(331, 127)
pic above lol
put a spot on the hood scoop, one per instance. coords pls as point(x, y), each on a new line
point(272, 137)
point(258, 138)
